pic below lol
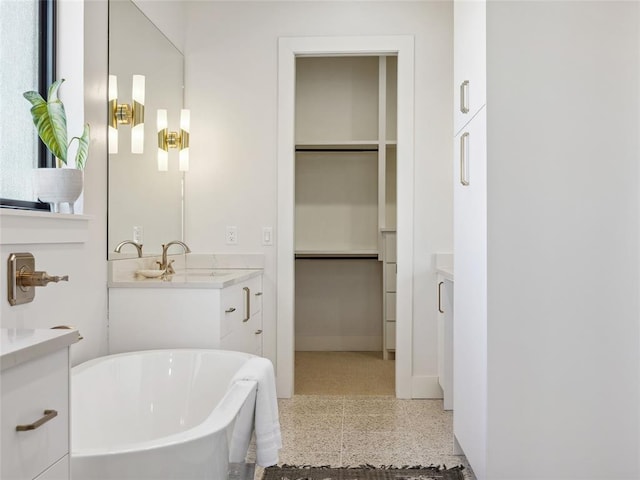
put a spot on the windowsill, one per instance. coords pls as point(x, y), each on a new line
point(33, 227)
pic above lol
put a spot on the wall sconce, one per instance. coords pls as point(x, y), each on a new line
point(167, 140)
point(127, 114)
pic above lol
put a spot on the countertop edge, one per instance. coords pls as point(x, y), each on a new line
point(57, 340)
point(193, 284)
point(445, 272)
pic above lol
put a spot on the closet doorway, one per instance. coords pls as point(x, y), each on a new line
point(345, 214)
point(337, 201)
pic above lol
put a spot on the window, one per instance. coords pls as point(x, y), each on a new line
point(27, 47)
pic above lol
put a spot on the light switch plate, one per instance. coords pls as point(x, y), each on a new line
point(20, 262)
point(267, 235)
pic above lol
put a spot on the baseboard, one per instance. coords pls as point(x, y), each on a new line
point(423, 386)
point(339, 344)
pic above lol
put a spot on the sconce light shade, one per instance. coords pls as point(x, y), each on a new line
point(185, 125)
point(137, 129)
point(113, 123)
point(127, 114)
point(179, 140)
point(163, 150)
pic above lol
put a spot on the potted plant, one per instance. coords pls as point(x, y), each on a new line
point(57, 185)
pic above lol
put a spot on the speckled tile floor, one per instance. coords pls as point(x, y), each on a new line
point(353, 429)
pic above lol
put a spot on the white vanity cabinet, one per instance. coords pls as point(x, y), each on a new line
point(242, 330)
point(192, 313)
point(445, 337)
point(34, 420)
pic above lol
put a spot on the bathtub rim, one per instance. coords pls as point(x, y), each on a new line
point(220, 417)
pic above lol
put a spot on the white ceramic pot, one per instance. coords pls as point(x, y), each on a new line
point(58, 185)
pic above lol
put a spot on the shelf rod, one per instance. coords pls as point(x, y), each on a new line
point(309, 256)
point(337, 150)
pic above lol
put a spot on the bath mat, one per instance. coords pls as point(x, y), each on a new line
point(363, 472)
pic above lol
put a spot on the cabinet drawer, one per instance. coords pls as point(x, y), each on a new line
point(390, 277)
point(59, 471)
point(390, 335)
point(246, 337)
point(390, 248)
point(27, 391)
point(390, 313)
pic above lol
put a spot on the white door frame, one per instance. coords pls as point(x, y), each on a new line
point(289, 48)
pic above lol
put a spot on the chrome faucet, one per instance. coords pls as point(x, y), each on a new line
point(166, 265)
point(130, 242)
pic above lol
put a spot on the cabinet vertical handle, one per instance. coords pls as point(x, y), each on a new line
point(464, 96)
point(247, 304)
point(440, 297)
point(464, 159)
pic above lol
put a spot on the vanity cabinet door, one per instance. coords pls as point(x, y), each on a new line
point(243, 332)
point(27, 391)
point(445, 340)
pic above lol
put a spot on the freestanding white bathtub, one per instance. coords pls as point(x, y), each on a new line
point(158, 414)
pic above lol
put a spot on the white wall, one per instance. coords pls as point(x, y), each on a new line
point(231, 86)
point(168, 16)
point(563, 149)
point(83, 301)
point(338, 305)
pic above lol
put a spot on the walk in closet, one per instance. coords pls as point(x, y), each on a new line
point(345, 198)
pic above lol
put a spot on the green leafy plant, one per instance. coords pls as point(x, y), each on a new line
point(50, 120)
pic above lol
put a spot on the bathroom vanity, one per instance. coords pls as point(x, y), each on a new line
point(34, 421)
point(444, 278)
point(193, 308)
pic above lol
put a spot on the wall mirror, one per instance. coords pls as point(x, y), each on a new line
point(141, 196)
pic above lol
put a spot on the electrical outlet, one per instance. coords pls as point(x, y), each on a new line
point(232, 235)
point(267, 235)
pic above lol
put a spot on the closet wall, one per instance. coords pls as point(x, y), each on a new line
point(342, 184)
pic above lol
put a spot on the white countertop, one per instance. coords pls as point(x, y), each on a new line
point(444, 265)
point(446, 272)
point(190, 278)
point(21, 345)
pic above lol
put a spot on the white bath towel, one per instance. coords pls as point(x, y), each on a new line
point(267, 423)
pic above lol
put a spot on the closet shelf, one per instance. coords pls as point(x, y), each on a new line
point(338, 254)
point(338, 146)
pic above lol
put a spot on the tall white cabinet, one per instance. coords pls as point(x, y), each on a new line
point(345, 175)
point(546, 353)
point(470, 232)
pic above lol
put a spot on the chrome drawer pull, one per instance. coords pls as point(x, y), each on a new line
point(258, 332)
point(247, 305)
point(230, 310)
point(257, 294)
point(48, 415)
point(464, 96)
point(464, 159)
point(440, 297)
